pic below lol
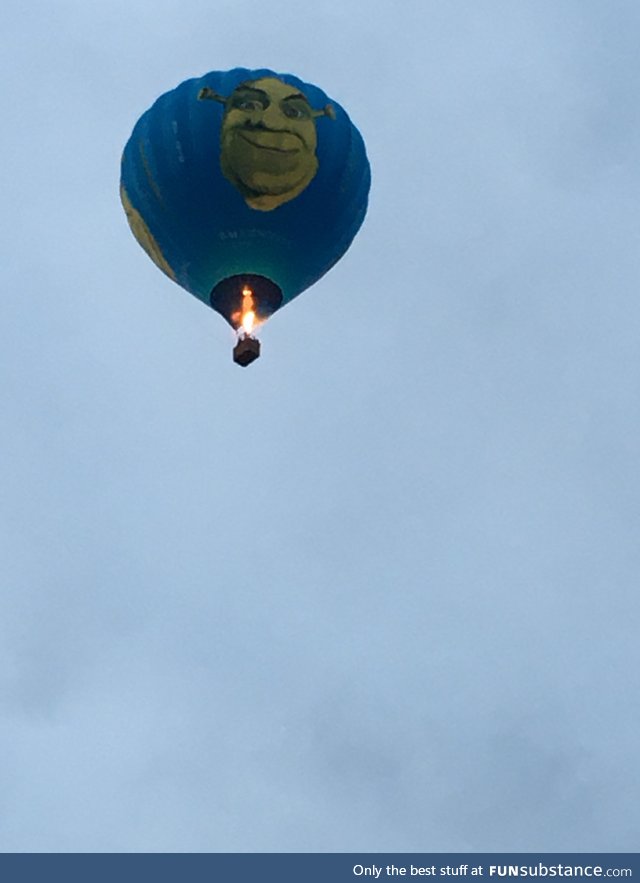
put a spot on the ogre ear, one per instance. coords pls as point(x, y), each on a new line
point(207, 94)
point(327, 111)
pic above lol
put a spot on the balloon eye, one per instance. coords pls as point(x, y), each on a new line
point(294, 112)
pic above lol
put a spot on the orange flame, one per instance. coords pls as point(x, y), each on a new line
point(248, 311)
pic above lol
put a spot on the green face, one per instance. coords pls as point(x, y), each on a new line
point(268, 142)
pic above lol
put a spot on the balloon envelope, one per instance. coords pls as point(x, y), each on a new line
point(245, 177)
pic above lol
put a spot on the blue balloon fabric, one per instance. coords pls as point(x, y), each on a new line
point(245, 177)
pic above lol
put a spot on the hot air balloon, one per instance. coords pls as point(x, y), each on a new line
point(245, 187)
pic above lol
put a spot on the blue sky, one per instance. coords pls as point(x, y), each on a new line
point(379, 590)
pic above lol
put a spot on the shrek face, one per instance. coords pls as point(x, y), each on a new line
point(268, 142)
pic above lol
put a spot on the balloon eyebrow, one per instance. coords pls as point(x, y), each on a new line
point(246, 91)
point(298, 96)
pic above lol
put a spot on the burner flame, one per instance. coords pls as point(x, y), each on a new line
point(248, 310)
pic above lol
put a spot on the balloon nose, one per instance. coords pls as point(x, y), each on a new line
point(273, 118)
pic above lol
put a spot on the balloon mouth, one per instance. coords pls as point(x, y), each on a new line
point(227, 298)
point(272, 142)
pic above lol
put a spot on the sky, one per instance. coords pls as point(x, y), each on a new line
point(379, 591)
